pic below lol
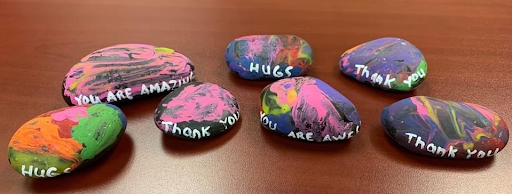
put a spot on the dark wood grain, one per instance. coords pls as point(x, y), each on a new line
point(467, 44)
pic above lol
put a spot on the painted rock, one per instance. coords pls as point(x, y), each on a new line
point(386, 63)
point(446, 129)
point(125, 72)
point(308, 109)
point(198, 110)
point(63, 140)
point(269, 56)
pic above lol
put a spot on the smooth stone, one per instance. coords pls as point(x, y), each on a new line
point(125, 72)
point(446, 129)
point(386, 63)
point(308, 109)
point(198, 110)
point(271, 57)
point(63, 140)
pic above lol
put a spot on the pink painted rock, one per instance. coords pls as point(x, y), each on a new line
point(125, 72)
point(308, 109)
point(197, 110)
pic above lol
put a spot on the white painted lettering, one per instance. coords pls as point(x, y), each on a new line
point(196, 133)
point(421, 73)
point(67, 170)
point(39, 175)
point(374, 77)
point(165, 87)
point(144, 90)
point(167, 124)
point(287, 71)
point(50, 172)
point(410, 135)
point(452, 151)
point(489, 153)
point(470, 153)
point(276, 73)
point(267, 68)
point(205, 132)
point(175, 129)
point(154, 88)
point(128, 93)
point(291, 134)
point(431, 148)
point(187, 132)
point(186, 80)
point(29, 172)
point(272, 128)
point(85, 100)
point(309, 136)
point(79, 99)
point(359, 68)
point(340, 136)
point(120, 95)
point(408, 81)
point(441, 151)
point(231, 120)
point(481, 154)
point(224, 122)
point(94, 99)
point(254, 67)
point(414, 77)
point(326, 138)
point(350, 134)
point(173, 82)
point(300, 135)
point(419, 142)
point(389, 80)
point(265, 120)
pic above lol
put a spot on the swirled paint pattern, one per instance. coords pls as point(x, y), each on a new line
point(309, 107)
point(428, 126)
point(269, 56)
point(65, 139)
point(195, 106)
point(124, 72)
point(387, 63)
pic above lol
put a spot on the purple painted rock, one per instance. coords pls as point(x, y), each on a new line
point(386, 63)
point(269, 56)
point(125, 72)
point(308, 109)
point(198, 110)
point(447, 129)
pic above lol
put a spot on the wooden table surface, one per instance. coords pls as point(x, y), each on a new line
point(467, 44)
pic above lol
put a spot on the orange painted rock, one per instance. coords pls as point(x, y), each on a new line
point(63, 140)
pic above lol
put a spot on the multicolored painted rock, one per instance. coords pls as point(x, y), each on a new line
point(198, 110)
point(446, 129)
point(308, 109)
point(386, 63)
point(63, 140)
point(125, 72)
point(269, 56)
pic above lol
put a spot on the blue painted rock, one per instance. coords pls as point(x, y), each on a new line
point(447, 129)
point(66, 139)
point(125, 72)
point(308, 109)
point(269, 56)
point(386, 63)
point(198, 110)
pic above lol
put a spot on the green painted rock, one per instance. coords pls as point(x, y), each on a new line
point(63, 140)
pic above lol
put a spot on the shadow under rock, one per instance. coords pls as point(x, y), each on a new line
point(104, 170)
